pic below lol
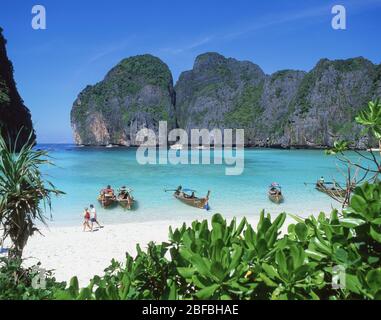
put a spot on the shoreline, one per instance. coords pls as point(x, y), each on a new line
point(68, 251)
point(190, 147)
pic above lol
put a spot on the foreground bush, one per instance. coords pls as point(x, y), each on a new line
point(18, 283)
point(234, 261)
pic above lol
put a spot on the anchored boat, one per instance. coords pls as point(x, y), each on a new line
point(125, 198)
point(107, 197)
point(331, 189)
point(106, 200)
point(191, 199)
point(275, 193)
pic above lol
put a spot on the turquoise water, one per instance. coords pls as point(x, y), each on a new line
point(82, 172)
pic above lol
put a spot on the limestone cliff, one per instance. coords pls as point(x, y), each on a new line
point(15, 118)
point(135, 94)
point(287, 108)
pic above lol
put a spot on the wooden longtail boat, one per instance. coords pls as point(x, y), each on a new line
point(106, 199)
point(192, 200)
point(334, 192)
point(275, 193)
point(126, 203)
point(125, 198)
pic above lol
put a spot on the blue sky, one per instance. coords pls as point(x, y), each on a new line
point(84, 39)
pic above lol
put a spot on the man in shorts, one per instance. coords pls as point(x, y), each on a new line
point(93, 217)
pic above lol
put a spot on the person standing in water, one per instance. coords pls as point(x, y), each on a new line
point(108, 190)
point(93, 217)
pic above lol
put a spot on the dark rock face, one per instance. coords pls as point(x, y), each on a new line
point(215, 93)
point(15, 118)
point(135, 94)
point(288, 108)
point(328, 100)
point(278, 93)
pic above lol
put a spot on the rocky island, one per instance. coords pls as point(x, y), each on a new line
point(289, 108)
point(135, 94)
point(15, 118)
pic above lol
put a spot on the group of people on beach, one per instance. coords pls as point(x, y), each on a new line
point(90, 217)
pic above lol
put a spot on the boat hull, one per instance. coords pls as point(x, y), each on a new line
point(106, 201)
point(276, 198)
point(332, 192)
point(195, 202)
point(126, 203)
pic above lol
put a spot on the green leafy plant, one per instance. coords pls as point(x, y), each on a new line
point(233, 260)
point(22, 192)
point(370, 119)
point(16, 282)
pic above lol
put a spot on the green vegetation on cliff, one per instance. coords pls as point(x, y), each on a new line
point(287, 108)
point(280, 75)
point(147, 67)
point(349, 65)
point(301, 99)
point(4, 93)
point(247, 107)
point(137, 91)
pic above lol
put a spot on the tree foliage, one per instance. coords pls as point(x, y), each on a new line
point(24, 193)
point(236, 261)
point(16, 282)
point(370, 119)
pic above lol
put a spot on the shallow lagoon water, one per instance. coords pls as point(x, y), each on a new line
point(82, 172)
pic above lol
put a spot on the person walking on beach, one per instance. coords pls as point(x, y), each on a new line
point(86, 216)
point(93, 217)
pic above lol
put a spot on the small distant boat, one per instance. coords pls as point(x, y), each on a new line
point(333, 191)
point(176, 146)
point(374, 149)
point(275, 193)
point(191, 199)
point(201, 148)
point(110, 145)
point(125, 198)
point(106, 199)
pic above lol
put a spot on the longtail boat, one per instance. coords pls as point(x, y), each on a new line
point(275, 193)
point(333, 191)
point(191, 199)
point(125, 198)
point(106, 199)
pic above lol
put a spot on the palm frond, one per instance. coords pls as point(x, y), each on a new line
point(25, 195)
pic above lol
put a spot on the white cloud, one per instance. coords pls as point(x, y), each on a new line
point(188, 47)
point(271, 20)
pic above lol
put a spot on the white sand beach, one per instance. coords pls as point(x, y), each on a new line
point(69, 251)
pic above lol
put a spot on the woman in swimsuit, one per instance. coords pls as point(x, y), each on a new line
point(86, 216)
